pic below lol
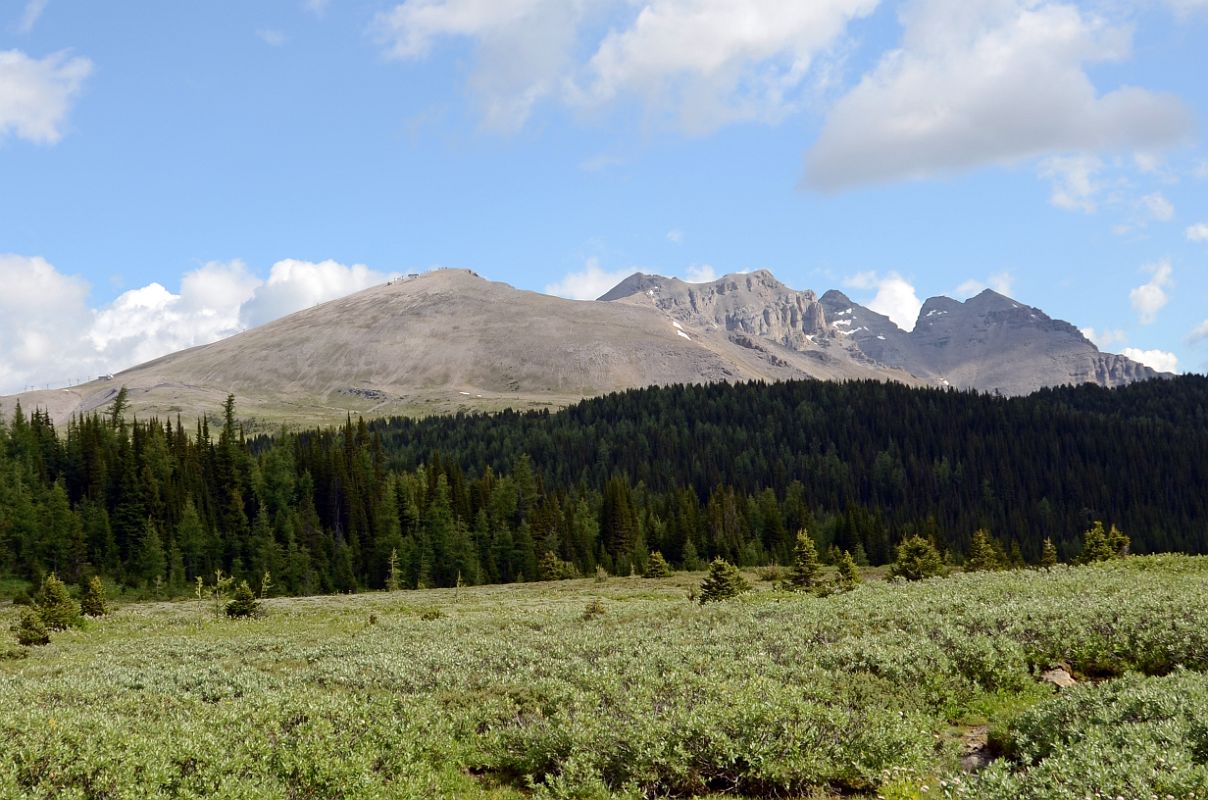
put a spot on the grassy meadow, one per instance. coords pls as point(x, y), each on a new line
point(892, 690)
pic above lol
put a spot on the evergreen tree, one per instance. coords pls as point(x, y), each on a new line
point(1048, 553)
point(1101, 545)
point(152, 564)
point(657, 566)
point(806, 568)
point(917, 559)
point(983, 556)
point(55, 604)
point(848, 575)
point(92, 599)
point(723, 582)
point(243, 602)
point(30, 629)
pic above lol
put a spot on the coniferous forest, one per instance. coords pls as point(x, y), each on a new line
point(692, 472)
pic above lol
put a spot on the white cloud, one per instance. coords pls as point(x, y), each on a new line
point(33, 12)
point(1160, 360)
point(1147, 300)
point(589, 283)
point(600, 162)
point(1184, 8)
point(896, 298)
point(990, 82)
point(1198, 232)
point(675, 236)
point(702, 62)
point(1000, 282)
point(1157, 207)
point(49, 335)
point(1074, 183)
point(711, 62)
point(36, 94)
point(317, 7)
point(1104, 339)
point(1200, 170)
point(700, 273)
point(294, 285)
point(272, 38)
point(1199, 333)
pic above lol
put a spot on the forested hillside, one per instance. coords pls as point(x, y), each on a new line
point(694, 472)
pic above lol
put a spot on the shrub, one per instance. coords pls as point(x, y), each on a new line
point(723, 582)
point(56, 607)
point(552, 568)
point(805, 563)
point(1048, 553)
point(848, 576)
point(243, 602)
point(31, 630)
point(1100, 545)
point(594, 609)
point(657, 567)
point(917, 559)
point(92, 602)
point(983, 555)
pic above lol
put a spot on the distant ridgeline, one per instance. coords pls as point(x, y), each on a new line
point(691, 471)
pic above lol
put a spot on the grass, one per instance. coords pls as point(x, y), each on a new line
point(509, 692)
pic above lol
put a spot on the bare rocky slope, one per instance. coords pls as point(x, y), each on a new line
point(450, 340)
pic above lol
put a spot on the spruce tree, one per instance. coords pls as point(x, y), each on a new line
point(1096, 545)
point(657, 567)
point(1048, 553)
point(983, 556)
point(848, 576)
point(723, 582)
point(55, 604)
point(30, 629)
point(917, 559)
point(806, 568)
point(92, 601)
point(243, 602)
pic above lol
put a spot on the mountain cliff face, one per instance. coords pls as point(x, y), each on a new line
point(449, 341)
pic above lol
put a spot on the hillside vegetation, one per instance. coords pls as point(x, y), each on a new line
point(693, 473)
point(504, 692)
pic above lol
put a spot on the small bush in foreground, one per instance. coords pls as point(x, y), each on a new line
point(723, 582)
point(243, 603)
point(657, 567)
point(57, 608)
point(917, 559)
point(92, 602)
point(31, 630)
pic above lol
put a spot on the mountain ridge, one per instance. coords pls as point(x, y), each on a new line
point(449, 341)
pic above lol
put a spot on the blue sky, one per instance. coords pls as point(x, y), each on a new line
point(176, 172)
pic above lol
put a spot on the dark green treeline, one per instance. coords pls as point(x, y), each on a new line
point(694, 472)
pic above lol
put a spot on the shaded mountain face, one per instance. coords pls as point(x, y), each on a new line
point(450, 341)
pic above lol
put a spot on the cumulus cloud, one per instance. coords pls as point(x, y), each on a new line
point(1150, 298)
point(990, 82)
point(1000, 282)
point(702, 62)
point(36, 94)
point(50, 335)
point(895, 297)
point(1160, 360)
point(1104, 339)
point(588, 283)
point(294, 285)
point(1198, 232)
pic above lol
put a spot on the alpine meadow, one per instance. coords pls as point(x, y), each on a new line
point(604, 400)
